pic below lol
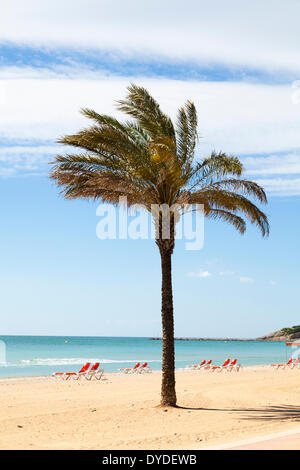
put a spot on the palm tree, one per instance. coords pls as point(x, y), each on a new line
point(150, 160)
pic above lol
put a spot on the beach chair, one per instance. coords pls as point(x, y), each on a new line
point(288, 364)
point(296, 363)
point(144, 369)
point(68, 375)
point(134, 369)
point(94, 372)
point(130, 370)
point(196, 366)
point(233, 366)
point(219, 368)
point(81, 373)
point(229, 367)
point(208, 365)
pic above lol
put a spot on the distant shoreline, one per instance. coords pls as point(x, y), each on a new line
point(291, 334)
point(222, 339)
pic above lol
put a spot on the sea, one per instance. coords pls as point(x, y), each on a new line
point(42, 355)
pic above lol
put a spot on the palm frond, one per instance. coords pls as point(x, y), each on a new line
point(233, 202)
point(150, 161)
point(186, 132)
point(228, 217)
point(140, 105)
point(246, 187)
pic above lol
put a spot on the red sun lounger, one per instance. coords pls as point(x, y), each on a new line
point(94, 372)
point(284, 366)
point(219, 368)
point(144, 368)
point(233, 366)
point(197, 366)
point(130, 370)
point(68, 375)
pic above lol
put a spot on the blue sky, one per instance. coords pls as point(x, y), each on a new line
point(241, 72)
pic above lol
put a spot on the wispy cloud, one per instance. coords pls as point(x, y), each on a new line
point(281, 172)
point(284, 164)
point(40, 105)
point(281, 186)
point(7, 172)
point(226, 273)
point(202, 274)
point(225, 38)
point(21, 159)
point(247, 280)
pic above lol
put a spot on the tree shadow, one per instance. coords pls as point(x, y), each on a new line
point(275, 413)
point(268, 413)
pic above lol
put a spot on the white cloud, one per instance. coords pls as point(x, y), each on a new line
point(273, 164)
point(200, 274)
point(256, 34)
point(247, 280)
point(19, 159)
point(39, 105)
point(281, 186)
point(273, 283)
point(226, 273)
point(7, 172)
point(15, 152)
point(235, 117)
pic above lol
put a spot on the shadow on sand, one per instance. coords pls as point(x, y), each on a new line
point(268, 413)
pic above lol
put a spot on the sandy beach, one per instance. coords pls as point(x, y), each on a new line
point(121, 412)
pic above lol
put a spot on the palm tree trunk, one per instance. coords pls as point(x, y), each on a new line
point(168, 394)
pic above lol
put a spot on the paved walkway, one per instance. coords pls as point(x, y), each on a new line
point(288, 440)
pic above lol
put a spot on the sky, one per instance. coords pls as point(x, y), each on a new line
point(239, 63)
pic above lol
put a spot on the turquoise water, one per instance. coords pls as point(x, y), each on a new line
point(42, 355)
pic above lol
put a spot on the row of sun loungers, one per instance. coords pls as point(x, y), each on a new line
point(95, 373)
point(88, 373)
point(208, 366)
point(137, 369)
point(234, 366)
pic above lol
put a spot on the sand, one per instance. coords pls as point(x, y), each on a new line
point(121, 412)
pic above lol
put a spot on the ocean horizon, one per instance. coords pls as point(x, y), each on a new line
point(43, 355)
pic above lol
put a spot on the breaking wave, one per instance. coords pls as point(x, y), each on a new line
point(71, 361)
